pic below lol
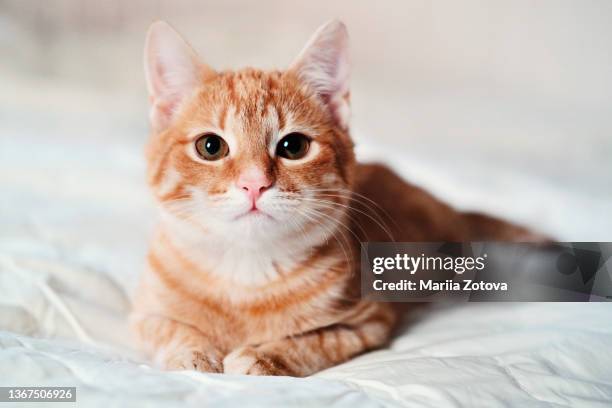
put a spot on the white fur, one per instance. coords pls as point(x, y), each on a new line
point(247, 249)
point(329, 179)
point(239, 361)
point(169, 183)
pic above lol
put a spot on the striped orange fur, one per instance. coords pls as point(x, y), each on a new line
point(254, 266)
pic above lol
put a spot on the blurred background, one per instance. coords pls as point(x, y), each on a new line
point(502, 106)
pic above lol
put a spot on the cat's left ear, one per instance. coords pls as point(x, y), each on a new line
point(324, 66)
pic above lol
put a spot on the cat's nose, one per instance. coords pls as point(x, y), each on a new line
point(254, 183)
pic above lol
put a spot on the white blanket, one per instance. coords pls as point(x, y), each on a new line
point(74, 222)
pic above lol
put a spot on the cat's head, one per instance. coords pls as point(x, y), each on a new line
point(261, 153)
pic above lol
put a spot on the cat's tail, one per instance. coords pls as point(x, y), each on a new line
point(481, 227)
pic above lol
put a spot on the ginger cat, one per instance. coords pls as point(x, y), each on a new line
point(254, 268)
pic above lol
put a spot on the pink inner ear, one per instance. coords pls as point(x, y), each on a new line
point(163, 99)
point(166, 96)
point(157, 78)
point(324, 66)
point(163, 91)
point(162, 105)
point(165, 109)
point(172, 71)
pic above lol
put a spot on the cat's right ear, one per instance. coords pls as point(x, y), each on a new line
point(172, 70)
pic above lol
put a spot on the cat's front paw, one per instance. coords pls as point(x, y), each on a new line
point(247, 360)
point(191, 359)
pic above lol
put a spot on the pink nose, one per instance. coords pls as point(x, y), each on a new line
point(254, 183)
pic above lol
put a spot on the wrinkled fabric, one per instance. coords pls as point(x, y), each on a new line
point(75, 220)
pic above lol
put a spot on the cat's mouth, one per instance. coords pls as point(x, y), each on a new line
point(254, 213)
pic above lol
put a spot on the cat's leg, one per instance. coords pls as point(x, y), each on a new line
point(318, 349)
point(177, 346)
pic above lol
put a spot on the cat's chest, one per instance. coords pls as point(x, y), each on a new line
point(257, 294)
point(267, 297)
point(249, 267)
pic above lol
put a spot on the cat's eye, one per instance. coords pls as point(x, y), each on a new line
point(294, 146)
point(211, 147)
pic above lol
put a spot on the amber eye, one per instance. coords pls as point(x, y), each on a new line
point(211, 147)
point(293, 146)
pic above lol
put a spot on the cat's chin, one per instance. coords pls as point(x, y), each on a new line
point(257, 225)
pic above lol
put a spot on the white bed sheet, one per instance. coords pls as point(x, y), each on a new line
point(74, 221)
